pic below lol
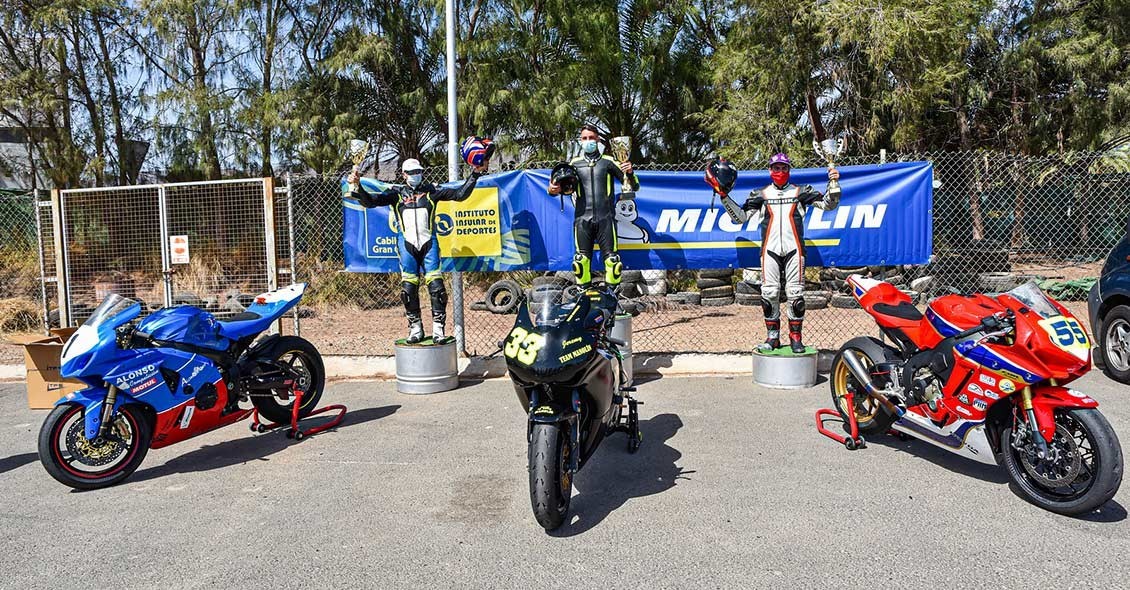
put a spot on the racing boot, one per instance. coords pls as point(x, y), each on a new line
point(415, 332)
point(773, 341)
point(794, 336)
point(438, 332)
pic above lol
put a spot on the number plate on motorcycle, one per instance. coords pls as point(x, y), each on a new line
point(1068, 334)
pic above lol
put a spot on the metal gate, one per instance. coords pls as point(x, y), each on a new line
point(209, 244)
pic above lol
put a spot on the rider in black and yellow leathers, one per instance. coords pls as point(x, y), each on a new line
point(595, 203)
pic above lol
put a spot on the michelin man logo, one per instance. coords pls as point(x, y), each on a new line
point(626, 228)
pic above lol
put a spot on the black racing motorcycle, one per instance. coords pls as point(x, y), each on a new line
point(567, 371)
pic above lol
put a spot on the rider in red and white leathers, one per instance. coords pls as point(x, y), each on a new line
point(782, 207)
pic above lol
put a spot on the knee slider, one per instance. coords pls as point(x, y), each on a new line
point(770, 308)
point(410, 295)
point(796, 308)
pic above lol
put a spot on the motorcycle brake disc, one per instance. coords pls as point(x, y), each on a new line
point(1064, 465)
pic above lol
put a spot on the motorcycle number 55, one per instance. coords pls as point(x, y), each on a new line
point(1066, 333)
point(523, 346)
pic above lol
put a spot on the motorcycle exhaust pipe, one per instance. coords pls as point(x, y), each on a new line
point(855, 366)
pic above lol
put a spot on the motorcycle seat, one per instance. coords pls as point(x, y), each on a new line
point(903, 310)
point(242, 316)
point(243, 324)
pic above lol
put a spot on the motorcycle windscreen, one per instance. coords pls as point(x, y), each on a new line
point(1034, 299)
point(95, 333)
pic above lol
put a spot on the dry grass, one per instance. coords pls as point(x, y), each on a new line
point(19, 314)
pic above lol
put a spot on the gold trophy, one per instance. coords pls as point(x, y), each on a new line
point(358, 151)
point(622, 151)
point(829, 150)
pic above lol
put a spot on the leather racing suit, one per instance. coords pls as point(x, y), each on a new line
point(782, 212)
point(595, 217)
point(416, 242)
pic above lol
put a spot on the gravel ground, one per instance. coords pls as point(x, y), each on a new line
point(733, 488)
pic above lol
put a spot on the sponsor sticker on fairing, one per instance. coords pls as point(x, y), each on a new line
point(963, 399)
point(1007, 387)
point(962, 410)
point(987, 380)
point(974, 388)
point(992, 394)
point(980, 404)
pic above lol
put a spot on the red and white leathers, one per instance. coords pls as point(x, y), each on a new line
point(782, 210)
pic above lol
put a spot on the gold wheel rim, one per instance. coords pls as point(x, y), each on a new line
point(865, 406)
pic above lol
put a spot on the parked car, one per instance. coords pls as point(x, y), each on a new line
point(1109, 308)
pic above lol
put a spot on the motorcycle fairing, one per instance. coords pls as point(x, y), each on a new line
point(91, 400)
point(1047, 399)
point(963, 437)
point(259, 316)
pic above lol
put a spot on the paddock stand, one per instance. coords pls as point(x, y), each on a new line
point(852, 442)
point(294, 431)
point(629, 424)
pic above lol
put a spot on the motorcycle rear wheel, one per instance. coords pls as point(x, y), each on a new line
point(73, 460)
point(871, 417)
point(551, 483)
point(1088, 451)
point(301, 357)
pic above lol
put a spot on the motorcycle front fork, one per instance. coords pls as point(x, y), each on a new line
point(1033, 425)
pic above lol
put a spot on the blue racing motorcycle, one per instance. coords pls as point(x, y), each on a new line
point(179, 373)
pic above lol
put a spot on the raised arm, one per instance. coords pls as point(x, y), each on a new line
point(811, 197)
point(633, 181)
point(461, 192)
point(370, 200)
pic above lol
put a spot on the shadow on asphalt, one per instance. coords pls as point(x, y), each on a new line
point(942, 458)
point(250, 448)
point(16, 461)
point(613, 476)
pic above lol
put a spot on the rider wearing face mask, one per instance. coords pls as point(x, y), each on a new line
point(595, 208)
point(414, 206)
point(782, 207)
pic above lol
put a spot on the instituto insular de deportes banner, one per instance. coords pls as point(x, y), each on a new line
point(510, 223)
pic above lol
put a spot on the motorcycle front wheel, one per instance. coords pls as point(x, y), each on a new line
point(551, 482)
point(1083, 471)
point(84, 464)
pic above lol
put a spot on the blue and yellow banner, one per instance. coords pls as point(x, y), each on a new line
point(511, 223)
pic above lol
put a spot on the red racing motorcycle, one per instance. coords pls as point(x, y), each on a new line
point(985, 378)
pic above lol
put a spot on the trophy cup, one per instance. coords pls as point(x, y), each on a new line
point(358, 151)
point(622, 151)
point(829, 150)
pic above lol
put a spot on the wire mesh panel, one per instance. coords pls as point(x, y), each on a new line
point(999, 220)
point(21, 298)
point(225, 227)
point(112, 240)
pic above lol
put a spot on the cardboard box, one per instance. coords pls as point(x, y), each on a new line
point(41, 356)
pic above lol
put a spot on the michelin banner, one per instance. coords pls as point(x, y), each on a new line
point(510, 223)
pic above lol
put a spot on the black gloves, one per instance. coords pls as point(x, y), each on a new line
point(807, 199)
point(754, 202)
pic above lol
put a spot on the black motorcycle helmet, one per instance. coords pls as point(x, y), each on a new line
point(564, 176)
point(721, 175)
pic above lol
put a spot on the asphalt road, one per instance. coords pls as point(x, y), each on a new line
point(732, 488)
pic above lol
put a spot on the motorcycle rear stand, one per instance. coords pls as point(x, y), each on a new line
point(294, 431)
point(854, 441)
point(629, 424)
point(851, 442)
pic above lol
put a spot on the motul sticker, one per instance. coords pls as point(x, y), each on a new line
point(187, 417)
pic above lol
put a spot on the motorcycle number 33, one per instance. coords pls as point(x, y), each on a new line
point(1066, 333)
point(523, 345)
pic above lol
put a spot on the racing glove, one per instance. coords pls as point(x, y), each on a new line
point(754, 202)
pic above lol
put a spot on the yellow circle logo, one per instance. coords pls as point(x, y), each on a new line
point(1006, 386)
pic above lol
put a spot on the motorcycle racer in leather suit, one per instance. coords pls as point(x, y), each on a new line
point(413, 206)
point(782, 207)
point(595, 208)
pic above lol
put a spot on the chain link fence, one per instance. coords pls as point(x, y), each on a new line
point(999, 220)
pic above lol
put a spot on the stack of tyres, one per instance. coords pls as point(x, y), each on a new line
point(716, 287)
point(748, 290)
